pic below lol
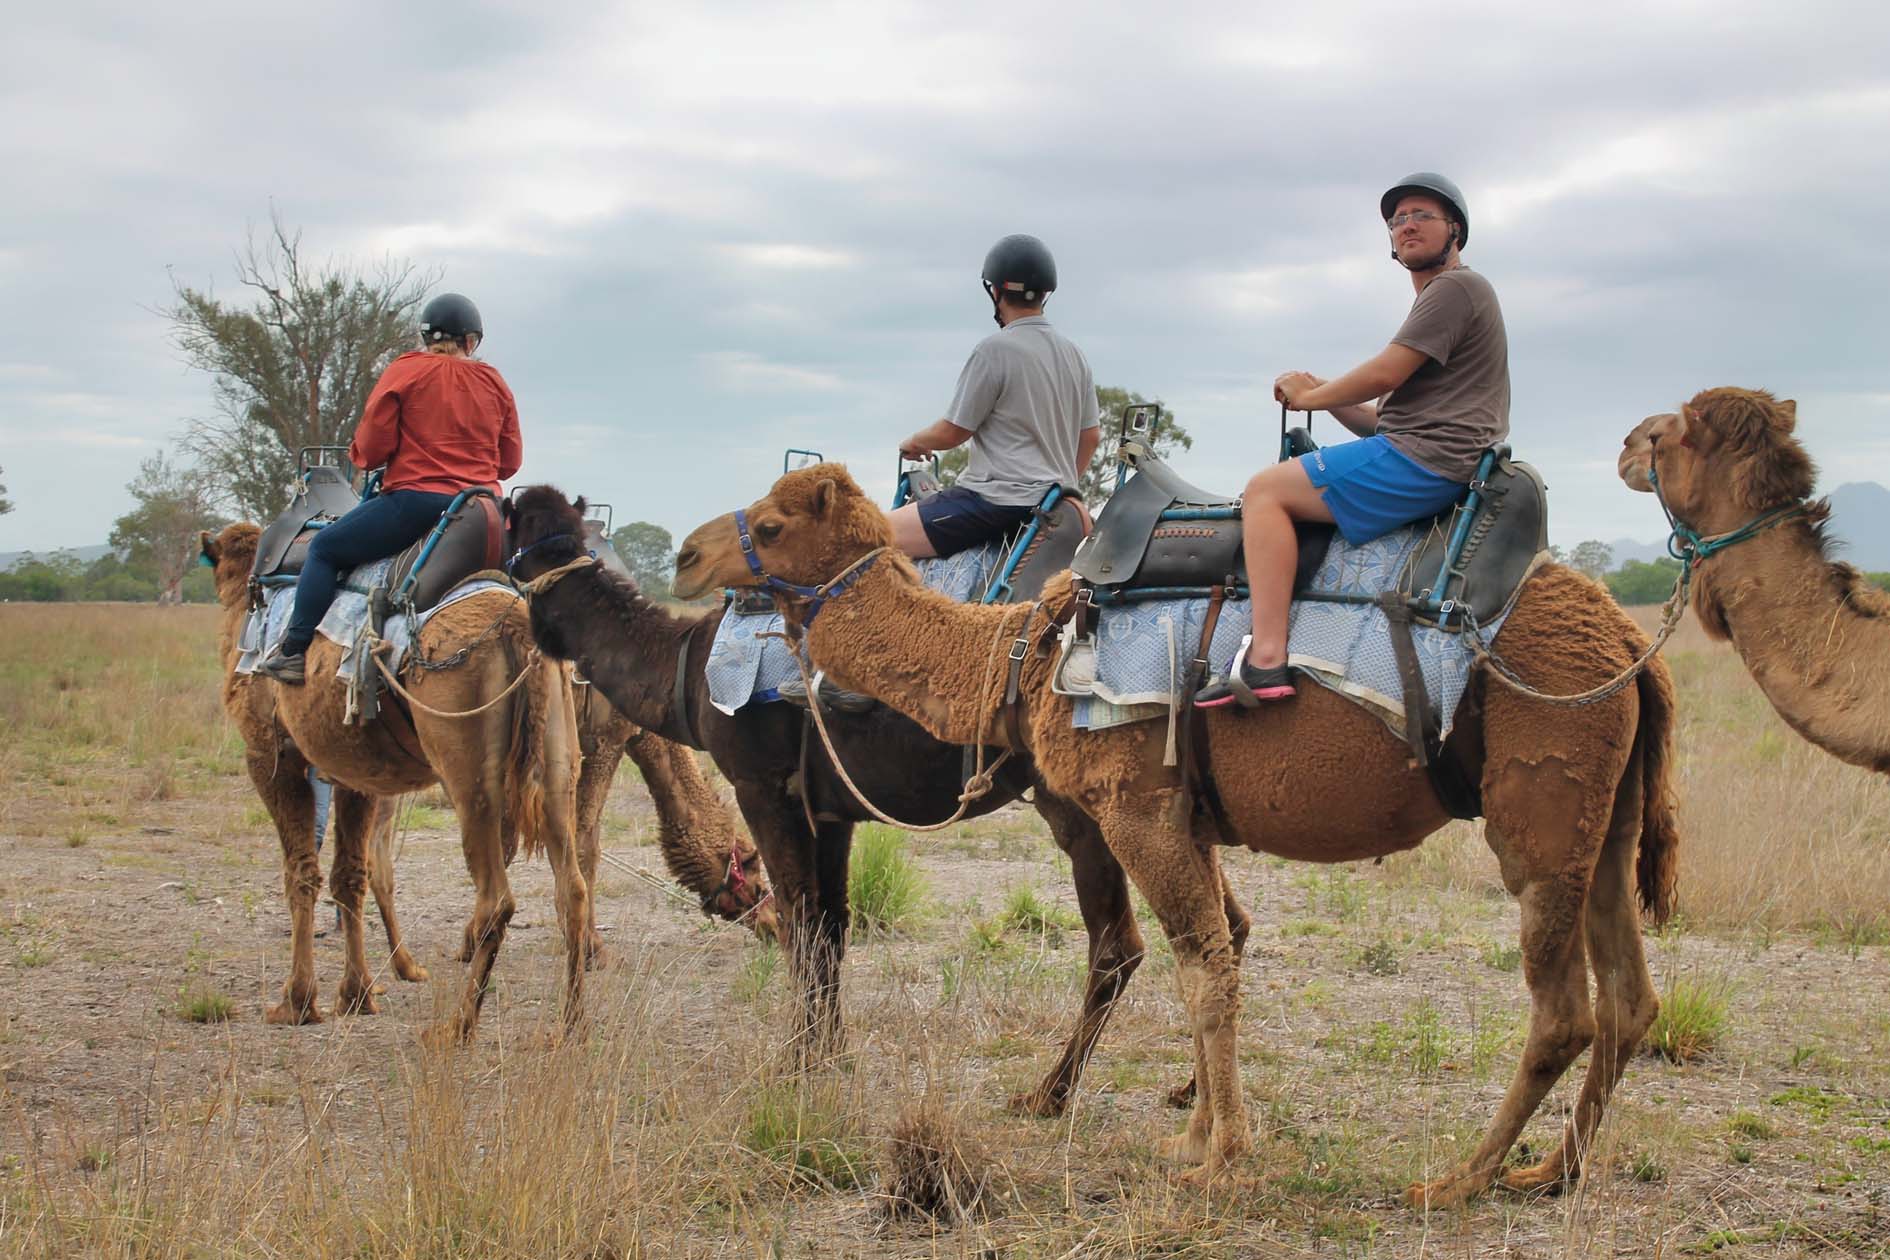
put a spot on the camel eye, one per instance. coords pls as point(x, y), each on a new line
point(768, 531)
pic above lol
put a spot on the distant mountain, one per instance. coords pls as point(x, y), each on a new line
point(1626, 550)
point(85, 555)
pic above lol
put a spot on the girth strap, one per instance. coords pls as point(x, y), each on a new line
point(681, 726)
point(1420, 720)
point(1197, 773)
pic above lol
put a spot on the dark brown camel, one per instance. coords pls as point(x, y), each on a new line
point(630, 648)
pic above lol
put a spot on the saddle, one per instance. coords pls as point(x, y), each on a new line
point(1041, 548)
point(470, 538)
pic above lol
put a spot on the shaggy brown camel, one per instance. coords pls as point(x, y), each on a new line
point(1568, 793)
point(1815, 634)
point(512, 768)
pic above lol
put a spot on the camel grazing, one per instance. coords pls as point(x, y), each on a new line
point(801, 817)
point(1567, 792)
point(510, 769)
point(1815, 634)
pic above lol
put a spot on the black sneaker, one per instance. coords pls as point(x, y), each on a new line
point(1253, 685)
point(284, 668)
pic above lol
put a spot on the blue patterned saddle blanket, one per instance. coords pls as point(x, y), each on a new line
point(1143, 649)
point(748, 661)
point(346, 619)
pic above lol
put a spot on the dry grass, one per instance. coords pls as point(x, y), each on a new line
point(1383, 1012)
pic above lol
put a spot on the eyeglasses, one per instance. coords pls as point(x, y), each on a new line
point(1397, 221)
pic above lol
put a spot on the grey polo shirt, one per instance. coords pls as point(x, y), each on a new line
point(1026, 394)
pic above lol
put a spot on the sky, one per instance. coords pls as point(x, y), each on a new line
point(703, 233)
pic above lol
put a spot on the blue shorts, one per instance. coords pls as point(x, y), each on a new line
point(956, 519)
point(1372, 487)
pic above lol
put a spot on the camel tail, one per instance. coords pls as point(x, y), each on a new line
point(534, 706)
point(1658, 869)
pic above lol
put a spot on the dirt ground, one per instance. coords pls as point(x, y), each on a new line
point(1382, 1016)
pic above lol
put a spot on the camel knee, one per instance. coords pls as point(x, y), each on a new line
point(490, 924)
point(1112, 962)
point(1559, 1043)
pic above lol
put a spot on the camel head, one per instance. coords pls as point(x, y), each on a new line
point(813, 524)
point(1727, 455)
point(231, 552)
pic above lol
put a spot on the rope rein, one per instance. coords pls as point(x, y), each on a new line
point(393, 682)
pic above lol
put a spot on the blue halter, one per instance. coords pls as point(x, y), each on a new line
point(1688, 545)
point(521, 553)
point(814, 596)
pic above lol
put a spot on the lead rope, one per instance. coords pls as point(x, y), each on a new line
point(982, 777)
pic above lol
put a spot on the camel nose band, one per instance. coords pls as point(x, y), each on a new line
point(816, 596)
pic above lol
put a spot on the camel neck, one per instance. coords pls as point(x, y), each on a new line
point(1816, 640)
point(623, 643)
point(937, 661)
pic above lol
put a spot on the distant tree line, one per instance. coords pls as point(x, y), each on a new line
point(62, 578)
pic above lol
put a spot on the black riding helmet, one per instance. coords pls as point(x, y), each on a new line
point(450, 315)
point(1021, 265)
point(1431, 184)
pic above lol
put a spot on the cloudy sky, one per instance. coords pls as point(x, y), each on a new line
point(701, 233)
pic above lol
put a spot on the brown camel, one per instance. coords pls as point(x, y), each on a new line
point(1567, 793)
point(509, 769)
point(1814, 633)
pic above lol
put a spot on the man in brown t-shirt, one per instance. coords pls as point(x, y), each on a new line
point(1427, 406)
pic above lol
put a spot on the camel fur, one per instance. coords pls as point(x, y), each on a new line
point(1814, 633)
point(802, 819)
point(1572, 797)
point(511, 770)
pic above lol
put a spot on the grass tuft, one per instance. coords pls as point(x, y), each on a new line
point(884, 884)
point(1695, 1015)
point(933, 1168)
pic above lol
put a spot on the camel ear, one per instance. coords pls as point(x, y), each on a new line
point(824, 495)
point(1785, 411)
point(579, 505)
point(211, 553)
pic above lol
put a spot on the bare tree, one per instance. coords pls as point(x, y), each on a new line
point(173, 505)
point(293, 368)
point(1592, 557)
point(6, 504)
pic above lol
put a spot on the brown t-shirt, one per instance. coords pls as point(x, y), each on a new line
point(1457, 402)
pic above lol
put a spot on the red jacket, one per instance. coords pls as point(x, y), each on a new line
point(439, 423)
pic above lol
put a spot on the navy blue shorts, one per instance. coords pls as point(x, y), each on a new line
point(1372, 487)
point(956, 519)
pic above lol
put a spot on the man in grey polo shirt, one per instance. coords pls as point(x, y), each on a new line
point(1027, 404)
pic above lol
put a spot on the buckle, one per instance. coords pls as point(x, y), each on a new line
point(1477, 484)
point(1020, 647)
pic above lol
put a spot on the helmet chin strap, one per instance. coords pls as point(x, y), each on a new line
point(1434, 263)
point(992, 293)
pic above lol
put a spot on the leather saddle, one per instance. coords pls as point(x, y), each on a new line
point(474, 539)
point(1031, 557)
point(1198, 545)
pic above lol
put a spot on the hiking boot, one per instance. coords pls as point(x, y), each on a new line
point(794, 691)
point(284, 668)
point(1252, 685)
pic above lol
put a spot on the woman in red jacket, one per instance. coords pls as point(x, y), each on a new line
point(442, 422)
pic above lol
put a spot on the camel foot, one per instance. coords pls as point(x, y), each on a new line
point(1216, 1167)
point(1181, 1096)
point(1452, 1190)
point(1550, 1176)
point(406, 968)
point(1046, 1103)
point(292, 1012)
point(1186, 1147)
point(358, 999)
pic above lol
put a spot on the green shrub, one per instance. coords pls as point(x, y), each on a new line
point(1695, 1013)
point(884, 885)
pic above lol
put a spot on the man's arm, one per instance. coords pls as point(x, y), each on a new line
point(1086, 443)
point(940, 435)
point(1347, 398)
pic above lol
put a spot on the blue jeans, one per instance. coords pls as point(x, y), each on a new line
point(383, 526)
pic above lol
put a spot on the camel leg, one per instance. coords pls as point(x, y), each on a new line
point(1239, 927)
point(281, 780)
point(381, 882)
point(1182, 881)
point(833, 846)
point(814, 946)
point(598, 771)
point(1115, 948)
point(479, 803)
point(1625, 999)
point(347, 879)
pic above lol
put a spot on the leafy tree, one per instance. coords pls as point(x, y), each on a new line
point(650, 554)
point(295, 366)
point(173, 506)
point(1591, 557)
point(1098, 481)
point(6, 504)
point(1641, 582)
